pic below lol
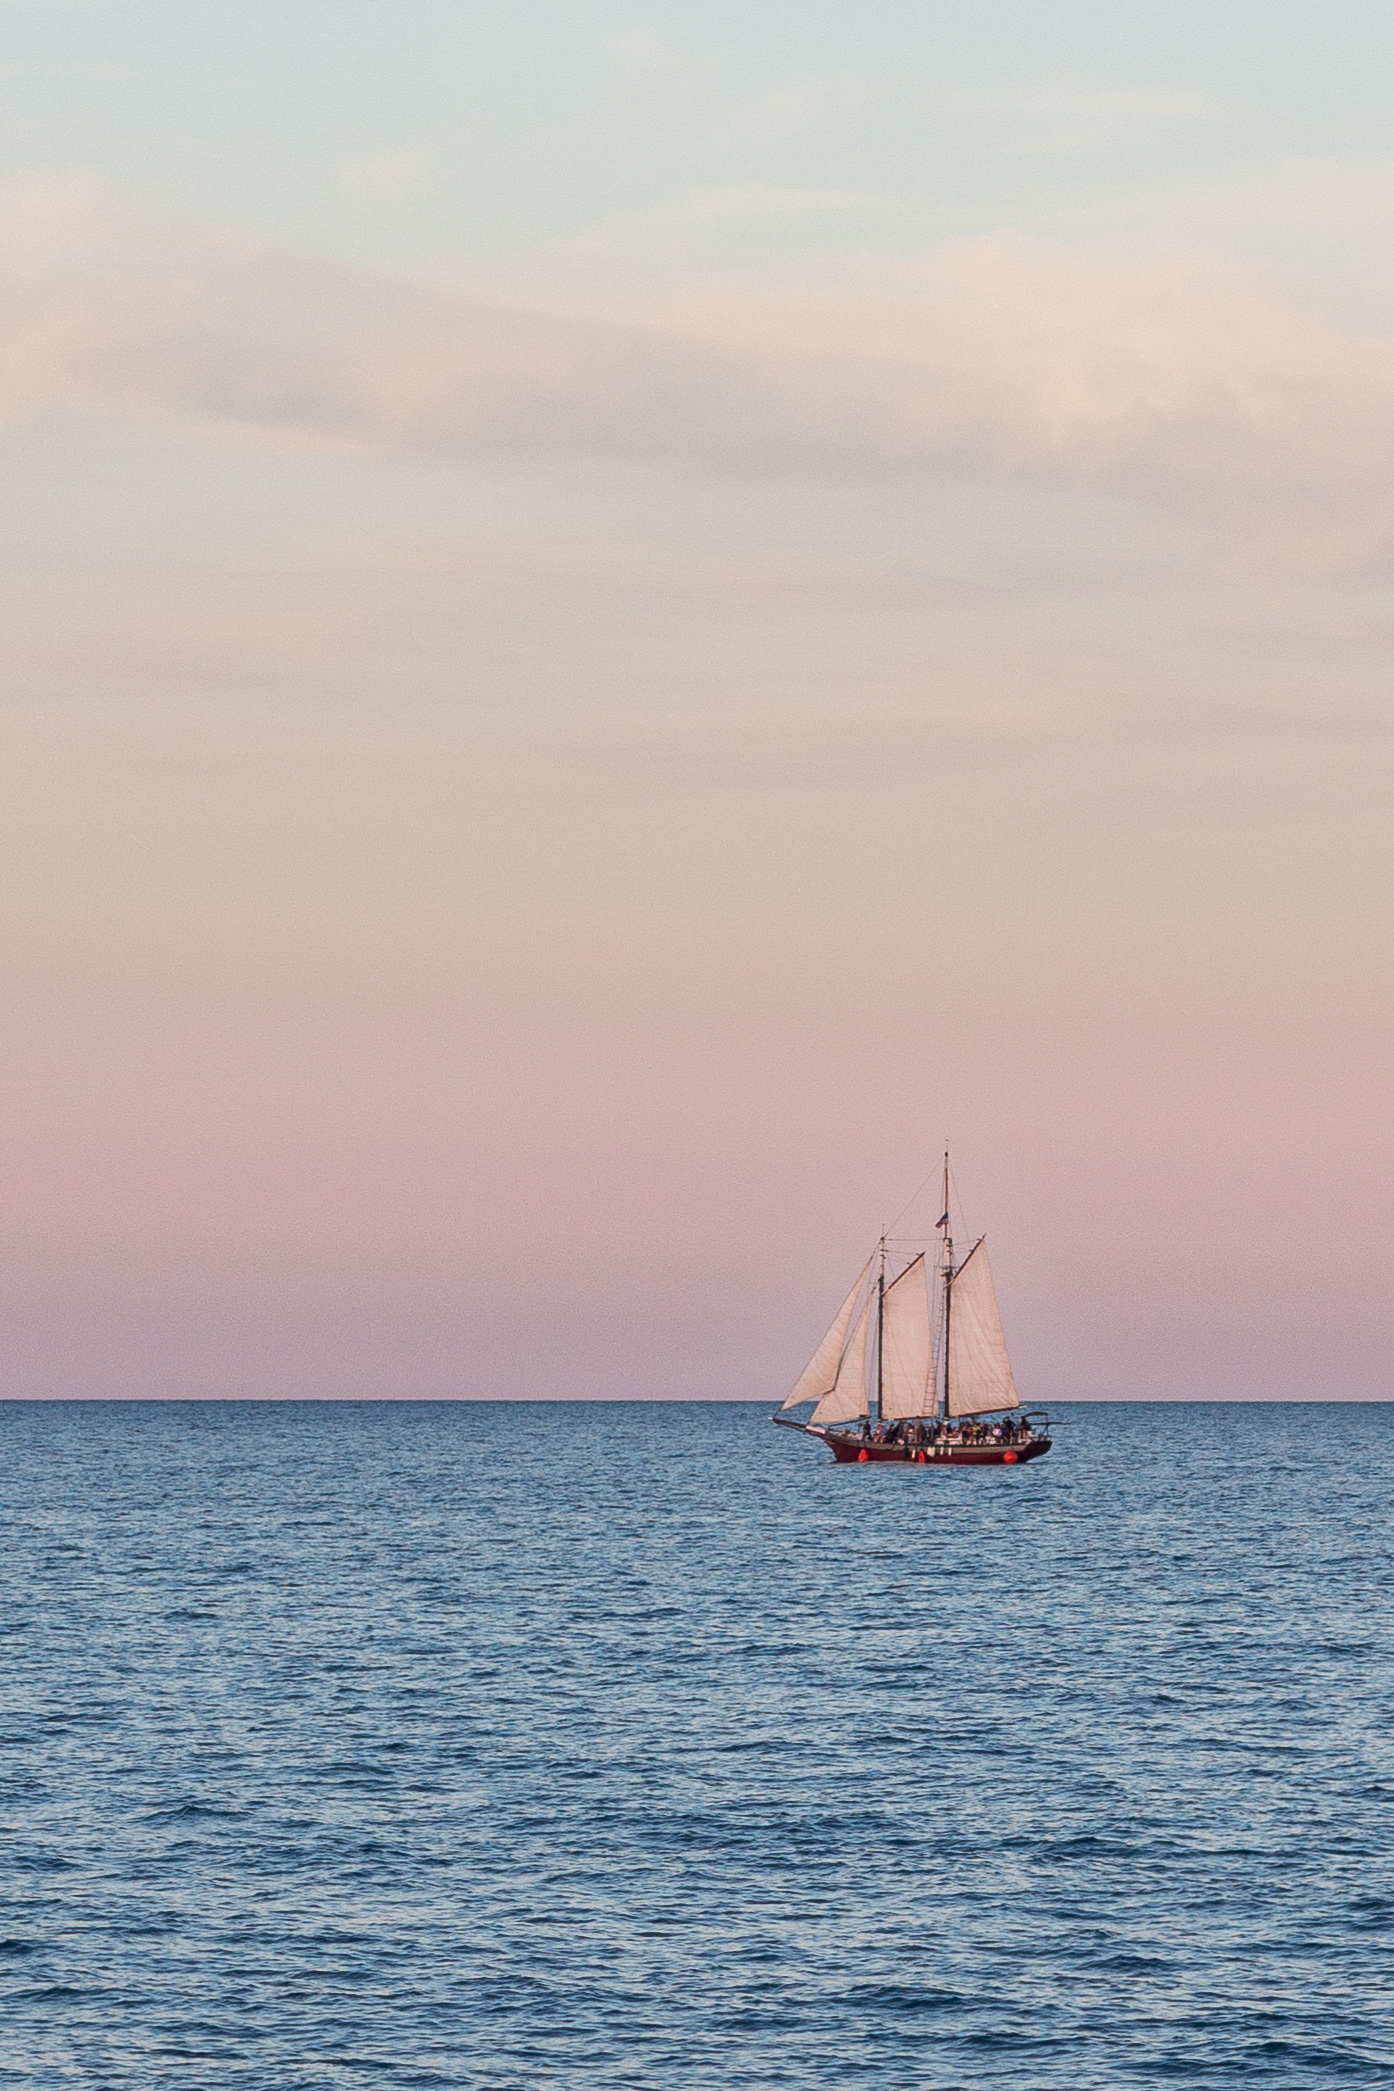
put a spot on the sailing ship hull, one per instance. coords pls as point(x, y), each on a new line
point(850, 1451)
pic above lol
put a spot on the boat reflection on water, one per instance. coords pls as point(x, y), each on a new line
point(933, 1387)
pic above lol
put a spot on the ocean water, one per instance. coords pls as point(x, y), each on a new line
point(640, 1746)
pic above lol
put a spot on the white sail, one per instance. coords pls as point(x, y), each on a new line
point(907, 1350)
point(819, 1375)
point(846, 1399)
point(980, 1372)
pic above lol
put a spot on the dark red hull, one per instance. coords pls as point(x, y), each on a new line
point(850, 1451)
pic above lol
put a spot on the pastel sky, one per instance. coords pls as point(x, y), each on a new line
point(618, 618)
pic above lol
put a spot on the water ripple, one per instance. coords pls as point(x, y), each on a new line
point(612, 1749)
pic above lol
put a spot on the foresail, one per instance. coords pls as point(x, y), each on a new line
point(846, 1399)
point(907, 1352)
point(980, 1372)
point(819, 1375)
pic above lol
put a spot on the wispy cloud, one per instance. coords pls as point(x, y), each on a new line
point(1348, 198)
point(785, 112)
point(639, 47)
point(1084, 115)
point(392, 173)
point(734, 203)
point(997, 356)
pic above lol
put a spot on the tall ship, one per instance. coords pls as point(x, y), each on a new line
point(896, 1378)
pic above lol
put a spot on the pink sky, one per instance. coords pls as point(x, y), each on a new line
point(534, 798)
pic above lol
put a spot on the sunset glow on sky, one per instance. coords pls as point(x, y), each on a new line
point(617, 620)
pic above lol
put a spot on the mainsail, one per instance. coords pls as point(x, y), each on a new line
point(846, 1398)
point(907, 1353)
point(820, 1374)
point(980, 1372)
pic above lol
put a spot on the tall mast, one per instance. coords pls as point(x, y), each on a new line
point(880, 1324)
point(946, 1224)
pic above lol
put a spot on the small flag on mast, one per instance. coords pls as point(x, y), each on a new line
point(942, 1223)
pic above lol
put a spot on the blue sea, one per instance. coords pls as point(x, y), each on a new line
point(636, 1745)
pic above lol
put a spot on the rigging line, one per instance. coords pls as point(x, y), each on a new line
point(910, 1201)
